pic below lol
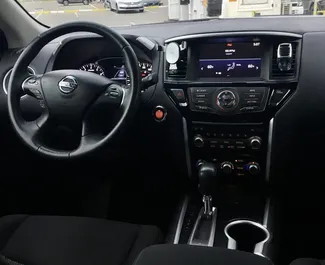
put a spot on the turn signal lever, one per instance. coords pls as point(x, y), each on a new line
point(207, 184)
point(149, 80)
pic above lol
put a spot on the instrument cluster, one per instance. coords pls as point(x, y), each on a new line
point(114, 68)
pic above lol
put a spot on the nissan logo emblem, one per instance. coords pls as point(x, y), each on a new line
point(68, 84)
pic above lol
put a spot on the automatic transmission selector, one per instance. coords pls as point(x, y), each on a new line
point(207, 183)
point(207, 178)
point(203, 232)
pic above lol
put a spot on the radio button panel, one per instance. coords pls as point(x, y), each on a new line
point(228, 100)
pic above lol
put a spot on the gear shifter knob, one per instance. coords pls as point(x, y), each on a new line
point(207, 178)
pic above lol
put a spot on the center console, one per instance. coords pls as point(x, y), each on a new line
point(228, 87)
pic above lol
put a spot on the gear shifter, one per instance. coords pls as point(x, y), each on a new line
point(207, 178)
point(207, 183)
point(204, 229)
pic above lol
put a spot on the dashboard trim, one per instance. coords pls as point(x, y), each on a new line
point(235, 33)
point(187, 148)
point(269, 150)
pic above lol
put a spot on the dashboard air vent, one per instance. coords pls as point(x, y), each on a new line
point(177, 70)
point(284, 60)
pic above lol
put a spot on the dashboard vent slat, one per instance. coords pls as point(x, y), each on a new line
point(276, 72)
point(179, 69)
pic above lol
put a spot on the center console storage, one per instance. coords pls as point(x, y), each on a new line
point(246, 235)
point(192, 255)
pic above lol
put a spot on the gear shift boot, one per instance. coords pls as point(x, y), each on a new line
point(204, 229)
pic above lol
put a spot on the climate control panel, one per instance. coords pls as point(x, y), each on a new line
point(238, 150)
point(240, 167)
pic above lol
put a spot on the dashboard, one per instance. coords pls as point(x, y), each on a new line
point(241, 95)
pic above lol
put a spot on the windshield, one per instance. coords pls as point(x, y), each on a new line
point(133, 12)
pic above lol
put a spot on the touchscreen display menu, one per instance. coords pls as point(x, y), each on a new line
point(236, 58)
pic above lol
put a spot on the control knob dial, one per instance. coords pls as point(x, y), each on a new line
point(253, 168)
point(198, 141)
point(255, 142)
point(226, 100)
point(227, 167)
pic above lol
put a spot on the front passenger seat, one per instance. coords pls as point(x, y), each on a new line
point(307, 261)
point(56, 240)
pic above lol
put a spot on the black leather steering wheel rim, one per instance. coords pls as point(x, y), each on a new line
point(89, 143)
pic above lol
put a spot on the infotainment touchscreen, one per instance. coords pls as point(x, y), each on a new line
point(230, 58)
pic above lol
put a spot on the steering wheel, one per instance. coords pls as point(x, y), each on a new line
point(67, 95)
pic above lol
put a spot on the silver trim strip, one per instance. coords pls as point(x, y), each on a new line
point(284, 97)
point(269, 150)
point(236, 33)
point(181, 221)
point(123, 96)
point(290, 50)
point(192, 241)
point(266, 213)
point(187, 148)
point(232, 244)
point(265, 222)
point(5, 89)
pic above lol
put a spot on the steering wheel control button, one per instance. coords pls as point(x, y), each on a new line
point(226, 100)
point(113, 91)
point(159, 113)
point(42, 103)
point(111, 97)
point(32, 80)
point(68, 84)
point(31, 86)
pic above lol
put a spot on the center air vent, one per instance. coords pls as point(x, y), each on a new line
point(177, 70)
point(284, 60)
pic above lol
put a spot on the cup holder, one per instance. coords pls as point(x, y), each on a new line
point(247, 236)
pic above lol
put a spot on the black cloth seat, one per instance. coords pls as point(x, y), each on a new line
point(307, 261)
point(169, 254)
point(56, 240)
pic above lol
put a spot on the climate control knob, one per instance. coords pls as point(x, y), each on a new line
point(226, 100)
point(255, 142)
point(227, 167)
point(253, 168)
point(198, 141)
